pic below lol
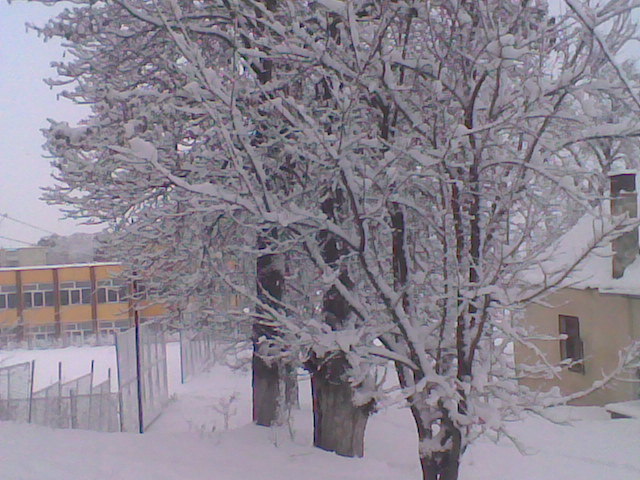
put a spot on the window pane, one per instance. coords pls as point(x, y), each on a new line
point(64, 297)
point(75, 297)
point(572, 347)
point(112, 295)
point(122, 293)
point(3, 301)
point(12, 300)
point(86, 296)
point(49, 299)
point(102, 295)
point(38, 299)
point(569, 325)
point(27, 300)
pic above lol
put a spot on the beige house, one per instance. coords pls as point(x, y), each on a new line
point(598, 309)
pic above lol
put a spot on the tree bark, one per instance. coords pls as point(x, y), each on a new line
point(274, 382)
point(339, 424)
point(273, 379)
point(439, 465)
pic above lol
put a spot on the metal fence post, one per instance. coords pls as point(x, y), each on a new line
point(31, 381)
point(136, 316)
point(73, 408)
point(89, 417)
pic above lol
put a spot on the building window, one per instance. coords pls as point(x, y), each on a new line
point(8, 300)
point(8, 297)
point(75, 293)
point(37, 295)
point(571, 348)
point(112, 291)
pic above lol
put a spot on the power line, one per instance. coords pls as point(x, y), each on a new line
point(8, 217)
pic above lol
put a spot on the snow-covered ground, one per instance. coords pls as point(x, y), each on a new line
point(205, 433)
point(76, 361)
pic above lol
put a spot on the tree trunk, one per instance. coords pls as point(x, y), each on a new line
point(444, 464)
point(265, 382)
point(435, 469)
point(338, 425)
point(272, 379)
point(274, 382)
point(441, 466)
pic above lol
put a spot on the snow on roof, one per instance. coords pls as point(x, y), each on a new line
point(629, 409)
point(69, 265)
point(587, 243)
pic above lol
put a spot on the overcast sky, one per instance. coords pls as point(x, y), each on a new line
point(25, 104)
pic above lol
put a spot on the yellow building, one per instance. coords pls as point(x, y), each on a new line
point(67, 302)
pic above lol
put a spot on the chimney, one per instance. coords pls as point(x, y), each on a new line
point(624, 199)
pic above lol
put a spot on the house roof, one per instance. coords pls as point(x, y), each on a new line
point(70, 265)
point(587, 248)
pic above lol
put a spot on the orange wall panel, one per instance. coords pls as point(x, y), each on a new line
point(7, 278)
point(74, 274)
point(106, 272)
point(113, 311)
point(39, 316)
point(75, 313)
point(153, 310)
point(37, 276)
point(8, 318)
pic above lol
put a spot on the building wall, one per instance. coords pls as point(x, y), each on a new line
point(66, 300)
point(23, 257)
point(608, 323)
point(8, 316)
point(38, 281)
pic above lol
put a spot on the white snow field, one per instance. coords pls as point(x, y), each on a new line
point(205, 433)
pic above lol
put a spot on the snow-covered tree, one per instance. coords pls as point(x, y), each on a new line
point(420, 155)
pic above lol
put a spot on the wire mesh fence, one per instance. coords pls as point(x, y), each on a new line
point(46, 407)
point(197, 351)
point(142, 376)
point(16, 383)
point(76, 404)
point(99, 410)
point(127, 381)
point(73, 404)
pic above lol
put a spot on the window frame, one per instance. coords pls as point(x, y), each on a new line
point(37, 295)
point(75, 293)
point(571, 347)
point(110, 291)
